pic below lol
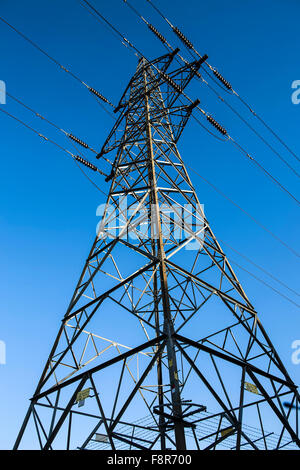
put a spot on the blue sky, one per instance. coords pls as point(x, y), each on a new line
point(48, 209)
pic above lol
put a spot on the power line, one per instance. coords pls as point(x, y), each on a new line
point(51, 123)
point(202, 111)
point(264, 282)
point(199, 77)
point(260, 166)
point(73, 140)
point(96, 14)
point(169, 47)
point(260, 267)
point(76, 158)
point(220, 192)
point(86, 175)
point(99, 16)
point(244, 211)
point(94, 92)
point(256, 133)
point(162, 349)
point(266, 172)
point(209, 117)
point(227, 87)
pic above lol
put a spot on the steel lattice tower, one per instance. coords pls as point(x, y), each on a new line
point(189, 352)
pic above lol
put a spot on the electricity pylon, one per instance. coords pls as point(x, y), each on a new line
point(159, 325)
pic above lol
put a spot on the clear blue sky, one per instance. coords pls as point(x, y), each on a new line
point(48, 209)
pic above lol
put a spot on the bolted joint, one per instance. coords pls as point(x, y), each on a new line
point(199, 62)
point(109, 177)
point(99, 155)
point(173, 53)
point(193, 105)
point(117, 108)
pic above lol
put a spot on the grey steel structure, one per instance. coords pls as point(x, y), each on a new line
point(188, 348)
